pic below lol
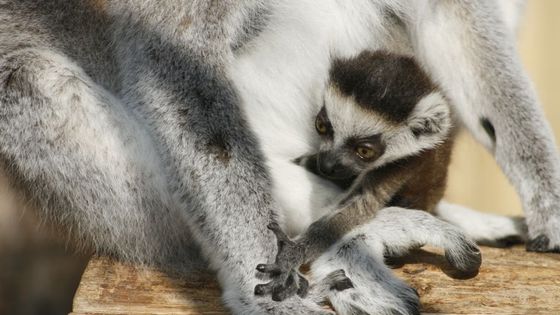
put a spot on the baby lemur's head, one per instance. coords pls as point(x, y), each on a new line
point(378, 107)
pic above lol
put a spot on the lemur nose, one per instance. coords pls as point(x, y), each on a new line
point(327, 165)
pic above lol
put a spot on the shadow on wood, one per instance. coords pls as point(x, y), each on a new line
point(510, 281)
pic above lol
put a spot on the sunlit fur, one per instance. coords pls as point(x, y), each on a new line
point(349, 120)
point(163, 132)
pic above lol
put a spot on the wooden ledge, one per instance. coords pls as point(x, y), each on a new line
point(511, 281)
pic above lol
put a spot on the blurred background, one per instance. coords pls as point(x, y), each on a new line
point(39, 274)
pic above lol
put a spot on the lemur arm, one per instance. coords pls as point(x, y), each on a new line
point(370, 193)
point(493, 97)
point(216, 169)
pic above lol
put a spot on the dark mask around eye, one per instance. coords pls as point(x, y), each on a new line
point(366, 149)
point(323, 125)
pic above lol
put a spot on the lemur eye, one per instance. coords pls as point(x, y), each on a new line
point(365, 153)
point(321, 126)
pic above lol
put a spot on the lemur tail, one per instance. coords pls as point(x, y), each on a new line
point(485, 228)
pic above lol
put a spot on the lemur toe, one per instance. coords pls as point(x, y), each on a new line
point(294, 284)
point(271, 269)
point(337, 280)
point(263, 289)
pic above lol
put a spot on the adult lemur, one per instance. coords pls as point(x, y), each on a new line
point(152, 130)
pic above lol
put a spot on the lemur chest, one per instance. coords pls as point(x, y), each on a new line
point(280, 76)
point(281, 73)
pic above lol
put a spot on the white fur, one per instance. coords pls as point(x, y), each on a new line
point(361, 254)
point(480, 226)
point(281, 76)
point(349, 120)
point(511, 12)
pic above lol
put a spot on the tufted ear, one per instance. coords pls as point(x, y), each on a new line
point(431, 117)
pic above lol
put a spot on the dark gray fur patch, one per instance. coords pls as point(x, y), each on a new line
point(489, 128)
point(385, 83)
point(219, 148)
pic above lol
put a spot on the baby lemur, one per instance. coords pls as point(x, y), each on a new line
point(380, 109)
point(385, 139)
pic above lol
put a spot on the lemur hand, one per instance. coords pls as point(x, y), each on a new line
point(286, 279)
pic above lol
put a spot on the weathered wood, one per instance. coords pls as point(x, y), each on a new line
point(511, 281)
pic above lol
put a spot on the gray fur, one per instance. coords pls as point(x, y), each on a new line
point(131, 170)
point(119, 123)
point(374, 290)
point(524, 145)
point(370, 185)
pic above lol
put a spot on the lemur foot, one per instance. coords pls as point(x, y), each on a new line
point(467, 259)
point(541, 244)
point(544, 232)
point(286, 280)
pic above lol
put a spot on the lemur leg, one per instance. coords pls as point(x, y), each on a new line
point(485, 228)
point(78, 156)
point(87, 164)
point(370, 193)
point(368, 286)
point(471, 52)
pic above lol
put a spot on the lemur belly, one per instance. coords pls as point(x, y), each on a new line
point(280, 76)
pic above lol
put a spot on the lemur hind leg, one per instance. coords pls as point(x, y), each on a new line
point(367, 283)
point(483, 77)
point(85, 163)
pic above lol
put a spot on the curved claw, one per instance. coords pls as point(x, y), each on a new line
point(263, 289)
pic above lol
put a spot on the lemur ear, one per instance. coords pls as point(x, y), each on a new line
point(432, 116)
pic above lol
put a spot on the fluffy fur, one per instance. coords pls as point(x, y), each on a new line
point(160, 132)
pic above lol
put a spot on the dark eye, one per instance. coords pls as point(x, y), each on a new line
point(365, 152)
point(321, 126)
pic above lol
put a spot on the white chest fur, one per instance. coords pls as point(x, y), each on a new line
point(280, 76)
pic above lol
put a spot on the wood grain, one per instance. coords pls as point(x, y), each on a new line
point(510, 281)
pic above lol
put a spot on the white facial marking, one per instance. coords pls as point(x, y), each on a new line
point(350, 120)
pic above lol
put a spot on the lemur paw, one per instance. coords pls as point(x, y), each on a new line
point(544, 232)
point(466, 258)
point(541, 244)
point(286, 280)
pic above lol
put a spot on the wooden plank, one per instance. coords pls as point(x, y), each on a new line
point(511, 281)
point(109, 287)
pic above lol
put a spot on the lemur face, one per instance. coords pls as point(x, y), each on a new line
point(378, 107)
